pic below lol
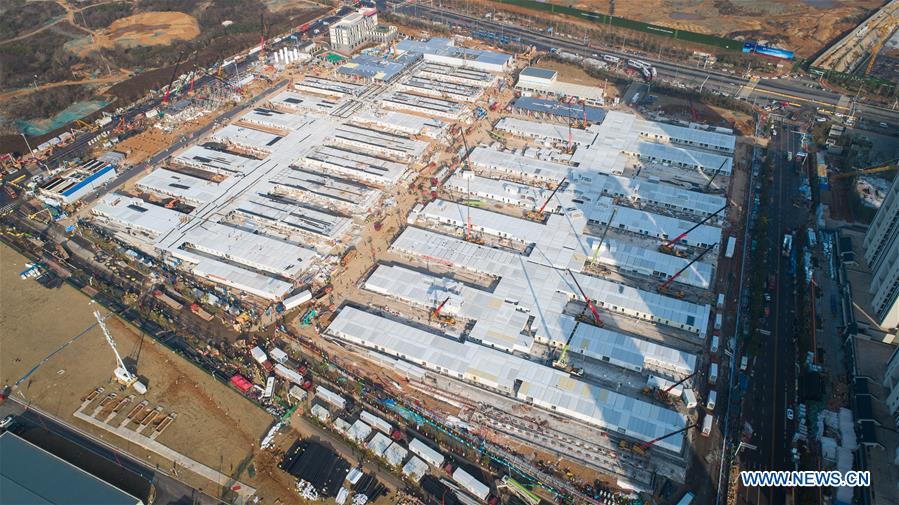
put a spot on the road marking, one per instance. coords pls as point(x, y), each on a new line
point(748, 88)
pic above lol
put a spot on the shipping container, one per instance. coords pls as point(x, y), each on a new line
point(288, 374)
point(470, 484)
point(297, 300)
point(278, 355)
point(330, 397)
point(731, 247)
point(425, 452)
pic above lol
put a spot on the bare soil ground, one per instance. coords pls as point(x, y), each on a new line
point(144, 29)
point(803, 26)
point(215, 426)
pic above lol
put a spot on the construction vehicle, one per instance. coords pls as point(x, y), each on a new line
point(450, 320)
point(563, 364)
point(602, 237)
point(883, 167)
point(668, 247)
point(884, 31)
point(168, 89)
point(122, 375)
point(596, 320)
point(663, 394)
point(91, 127)
point(641, 449)
point(538, 216)
point(714, 175)
point(666, 286)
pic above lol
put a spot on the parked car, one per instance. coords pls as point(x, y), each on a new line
point(790, 414)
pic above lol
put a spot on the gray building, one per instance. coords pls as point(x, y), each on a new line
point(29, 474)
point(881, 246)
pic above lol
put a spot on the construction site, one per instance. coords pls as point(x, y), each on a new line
point(543, 272)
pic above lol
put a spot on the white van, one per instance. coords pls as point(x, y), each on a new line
point(713, 373)
point(713, 347)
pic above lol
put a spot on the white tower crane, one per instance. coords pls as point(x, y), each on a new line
point(122, 375)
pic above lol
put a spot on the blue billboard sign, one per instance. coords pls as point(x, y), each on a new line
point(773, 52)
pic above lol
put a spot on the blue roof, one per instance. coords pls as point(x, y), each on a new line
point(443, 47)
point(29, 474)
point(87, 180)
point(372, 67)
point(556, 108)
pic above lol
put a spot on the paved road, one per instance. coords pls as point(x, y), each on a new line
point(168, 489)
point(772, 385)
point(779, 89)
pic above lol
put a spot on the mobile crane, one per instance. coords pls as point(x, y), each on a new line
point(642, 448)
point(450, 320)
point(122, 375)
point(665, 286)
point(596, 319)
point(538, 216)
point(668, 247)
point(168, 89)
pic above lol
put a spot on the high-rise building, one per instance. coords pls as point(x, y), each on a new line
point(891, 384)
point(359, 28)
point(882, 257)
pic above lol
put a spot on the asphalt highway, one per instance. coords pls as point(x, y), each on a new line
point(773, 373)
point(773, 89)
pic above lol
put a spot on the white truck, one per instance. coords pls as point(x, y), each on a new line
point(689, 398)
point(713, 373)
point(707, 422)
point(710, 401)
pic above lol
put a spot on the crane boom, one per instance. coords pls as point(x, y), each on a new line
point(168, 89)
point(678, 383)
point(440, 307)
point(551, 195)
point(714, 175)
point(678, 238)
point(109, 340)
point(671, 279)
point(603, 237)
point(649, 444)
point(122, 374)
point(590, 305)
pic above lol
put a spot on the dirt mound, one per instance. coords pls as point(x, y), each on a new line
point(144, 29)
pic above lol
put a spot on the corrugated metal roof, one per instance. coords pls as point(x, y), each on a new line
point(34, 476)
